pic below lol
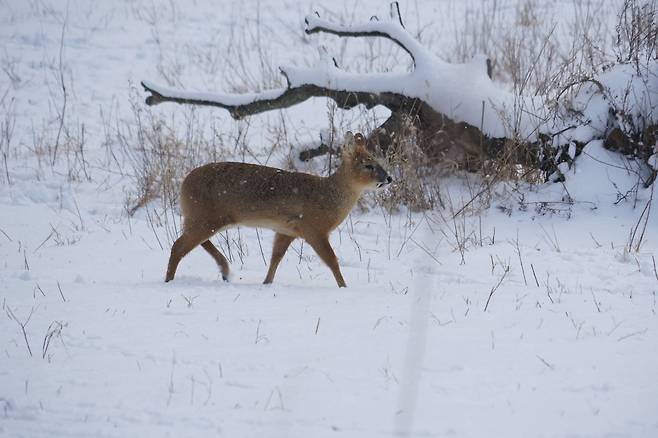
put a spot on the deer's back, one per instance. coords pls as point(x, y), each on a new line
point(259, 196)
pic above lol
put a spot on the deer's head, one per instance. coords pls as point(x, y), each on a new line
point(362, 164)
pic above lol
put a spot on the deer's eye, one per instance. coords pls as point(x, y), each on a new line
point(370, 167)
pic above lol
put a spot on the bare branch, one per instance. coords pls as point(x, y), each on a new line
point(309, 154)
point(241, 105)
point(390, 30)
point(395, 8)
point(238, 105)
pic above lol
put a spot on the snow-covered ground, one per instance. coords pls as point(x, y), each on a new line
point(565, 347)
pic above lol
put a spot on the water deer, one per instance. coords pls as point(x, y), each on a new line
point(295, 205)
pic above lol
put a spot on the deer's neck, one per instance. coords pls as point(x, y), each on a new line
point(343, 183)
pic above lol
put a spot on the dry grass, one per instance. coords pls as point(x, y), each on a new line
point(416, 184)
point(159, 153)
point(637, 32)
point(536, 55)
point(7, 127)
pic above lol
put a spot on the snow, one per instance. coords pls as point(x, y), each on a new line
point(227, 99)
point(456, 90)
point(129, 355)
point(464, 92)
point(392, 30)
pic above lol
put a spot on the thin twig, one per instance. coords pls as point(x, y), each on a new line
point(545, 362)
point(62, 84)
point(6, 235)
point(54, 329)
point(596, 303)
point(534, 275)
point(262, 254)
point(646, 219)
point(425, 250)
point(44, 241)
point(397, 9)
point(496, 287)
point(518, 251)
point(22, 325)
point(60, 292)
point(37, 287)
point(477, 195)
point(639, 332)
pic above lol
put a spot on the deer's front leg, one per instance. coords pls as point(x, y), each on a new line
point(323, 248)
point(281, 244)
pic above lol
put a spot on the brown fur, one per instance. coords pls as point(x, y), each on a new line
point(293, 204)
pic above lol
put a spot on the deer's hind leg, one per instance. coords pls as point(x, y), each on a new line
point(219, 258)
point(194, 235)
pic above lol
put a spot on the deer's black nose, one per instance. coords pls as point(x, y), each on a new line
point(389, 179)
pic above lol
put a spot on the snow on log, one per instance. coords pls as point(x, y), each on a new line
point(459, 104)
point(393, 31)
point(455, 90)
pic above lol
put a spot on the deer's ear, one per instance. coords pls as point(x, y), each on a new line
point(349, 143)
point(349, 138)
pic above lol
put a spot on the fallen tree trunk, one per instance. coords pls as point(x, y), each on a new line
point(456, 111)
